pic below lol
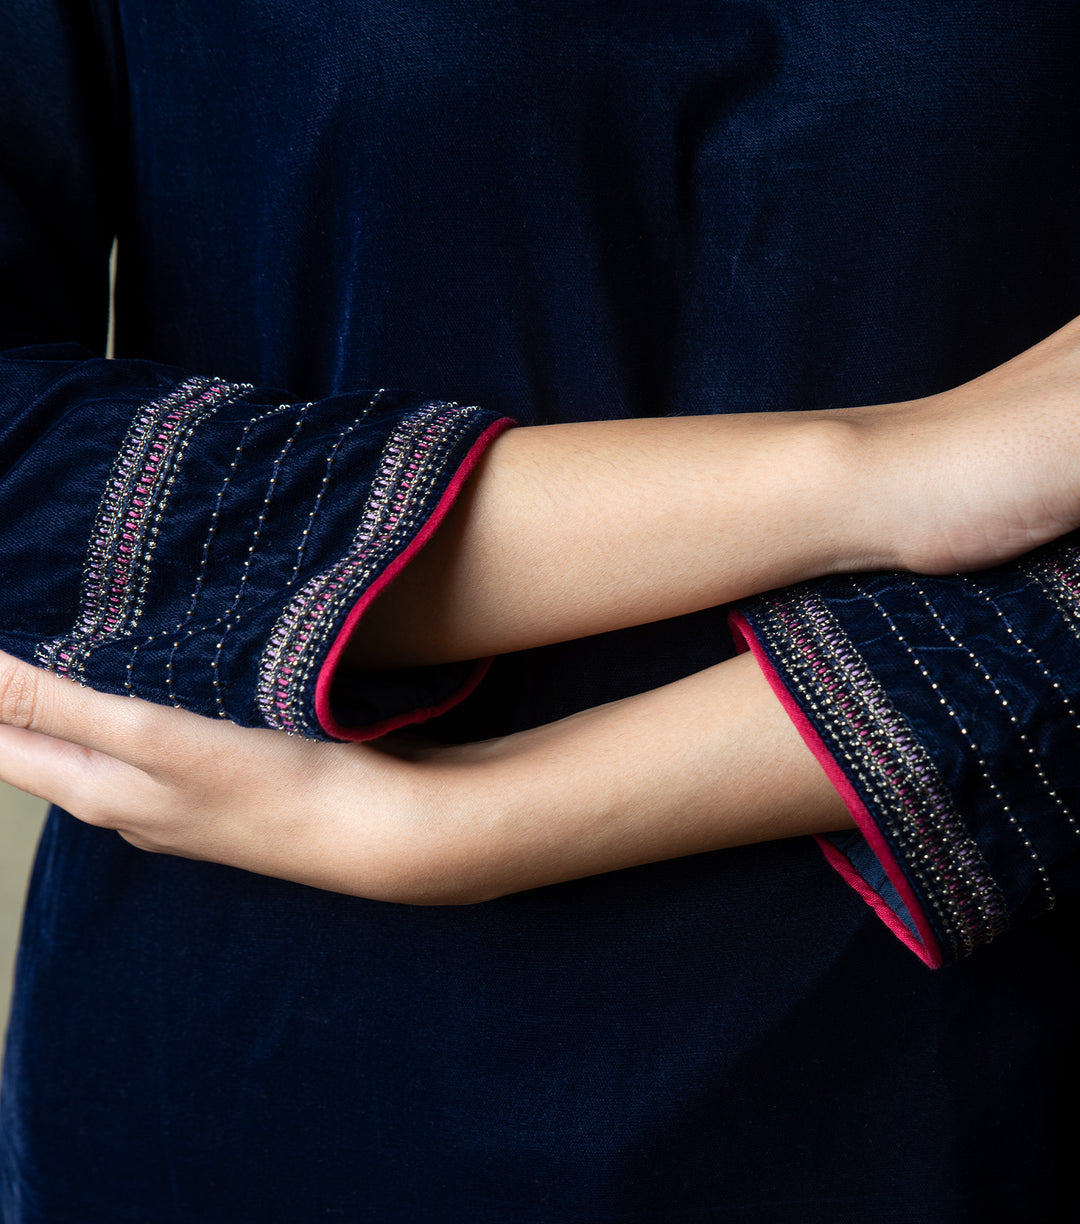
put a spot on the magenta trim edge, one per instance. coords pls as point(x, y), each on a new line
point(846, 870)
point(326, 673)
point(925, 945)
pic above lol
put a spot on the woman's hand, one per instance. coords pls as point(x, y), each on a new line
point(978, 475)
point(347, 817)
point(708, 762)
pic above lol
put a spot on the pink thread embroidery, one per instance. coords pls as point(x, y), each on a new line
point(117, 566)
point(881, 749)
point(411, 462)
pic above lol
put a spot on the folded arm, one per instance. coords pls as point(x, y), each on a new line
point(230, 562)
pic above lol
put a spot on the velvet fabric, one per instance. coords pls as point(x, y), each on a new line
point(548, 212)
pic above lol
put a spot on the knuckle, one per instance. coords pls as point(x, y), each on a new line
point(19, 695)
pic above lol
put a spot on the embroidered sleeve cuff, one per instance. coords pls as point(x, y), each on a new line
point(945, 712)
point(210, 548)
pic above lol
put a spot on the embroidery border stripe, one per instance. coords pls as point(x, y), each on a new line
point(880, 749)
point(1056, 570)
point(120, 550)
point(413, 458)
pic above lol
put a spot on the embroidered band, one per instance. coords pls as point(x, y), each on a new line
point(1055, 569)
point(412, 461)
point(120, 552)
point(878, 750)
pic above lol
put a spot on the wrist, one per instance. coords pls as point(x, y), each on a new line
point(831, 473)
point(880, 498)
point(449, 832)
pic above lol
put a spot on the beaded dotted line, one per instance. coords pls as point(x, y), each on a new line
point(192, 630)
point(331, 459)
point(411, 463)
point(893, 768)
point(976, 752)
point(231, 615)
point(116, 569)
point(1021, 734)
point(1025, 646)
point(201, 573)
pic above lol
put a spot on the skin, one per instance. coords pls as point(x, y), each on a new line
point(969, 478)
point(571, 530)
point(408, 822)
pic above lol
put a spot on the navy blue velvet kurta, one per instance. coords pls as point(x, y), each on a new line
point(555, 211)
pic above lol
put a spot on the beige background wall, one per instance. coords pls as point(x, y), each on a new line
point(20, 822)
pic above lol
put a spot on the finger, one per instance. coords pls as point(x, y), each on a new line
point(92, 786)
point(125, 728)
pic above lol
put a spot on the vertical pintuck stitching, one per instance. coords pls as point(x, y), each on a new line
point(976, 753)
point(120, 552)
point(232, 613)
point(331, 459)
point(1017, 640)
point(412, 461)
point(178, 632)
point(881, 753)
point(997, 694)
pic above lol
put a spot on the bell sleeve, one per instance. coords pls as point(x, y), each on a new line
point(946, 711)
point(167, 534)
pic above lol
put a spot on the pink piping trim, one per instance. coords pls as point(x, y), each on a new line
point(926, 945)
point(877, 903)
point(326, 673)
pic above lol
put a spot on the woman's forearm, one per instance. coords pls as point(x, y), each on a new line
point(569, 530)
point(708, 762)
